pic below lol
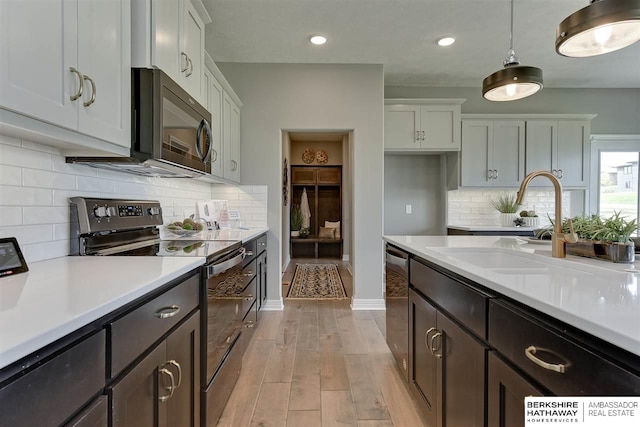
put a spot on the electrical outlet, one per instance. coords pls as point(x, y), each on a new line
point(407, 209)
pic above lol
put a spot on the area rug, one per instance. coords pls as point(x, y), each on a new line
point(316, 281)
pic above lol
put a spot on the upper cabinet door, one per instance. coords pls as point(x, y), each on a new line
point(164, 32)
point(38, 46)
point(540, 146)
point(235, 143)
point(402, 126)
point(440, 127)
point(192, 53)
point(476, 163)
point(572, 153)
point(508, 153)
point(104, 58)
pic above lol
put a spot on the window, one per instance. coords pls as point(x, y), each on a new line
point(614, 176)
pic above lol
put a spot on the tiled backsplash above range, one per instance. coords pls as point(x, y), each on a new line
point(473, 207)
point(36, 183)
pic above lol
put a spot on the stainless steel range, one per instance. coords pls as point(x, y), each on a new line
point(129, 228)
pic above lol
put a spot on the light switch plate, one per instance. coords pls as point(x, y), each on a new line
point(407, 209)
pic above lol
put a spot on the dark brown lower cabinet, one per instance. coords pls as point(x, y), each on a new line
point(95, 415)
point(507, 390)
point(446, 367)
point(162, 389)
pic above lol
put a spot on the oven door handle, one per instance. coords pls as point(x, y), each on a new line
point(215, 269)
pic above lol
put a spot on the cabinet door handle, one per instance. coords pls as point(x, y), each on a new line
point(184, 55)
point(179, 368)
point(93, 91)
point(190, 67)
point(167, 312)
point(78, 94)
point(495, 173)
point(417, 135)
point(234, 165)
point(423, 135)
point(561, 173)
point(532, 350)
point(215, 155)
point(489, 174)
point(426, 337)
point(171, 388)
point(431, 346)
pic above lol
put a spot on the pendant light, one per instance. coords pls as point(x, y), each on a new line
point(515, 81)
point(602, 27)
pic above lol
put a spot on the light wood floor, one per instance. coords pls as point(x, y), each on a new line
point(318, 363)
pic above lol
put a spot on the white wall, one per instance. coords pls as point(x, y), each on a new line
point(36, 183)
point(314, 97)
point(413, 180)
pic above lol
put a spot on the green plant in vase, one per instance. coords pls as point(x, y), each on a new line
point(304, 232)
point(506, 204)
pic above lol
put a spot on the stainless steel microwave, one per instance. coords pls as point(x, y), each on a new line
point(170, 131)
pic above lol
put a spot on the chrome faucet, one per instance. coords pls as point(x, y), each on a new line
point(558, 239)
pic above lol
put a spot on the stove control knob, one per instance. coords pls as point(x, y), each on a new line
point(100, 212)
point(154, 210)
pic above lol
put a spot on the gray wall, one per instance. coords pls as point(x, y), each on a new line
point(413, 180)
point(618, 110)
point(314, 97)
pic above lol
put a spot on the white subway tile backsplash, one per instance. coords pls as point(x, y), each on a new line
point(46, 179)
point(23, 196)
point(10, 175)
point(10, 215)
point(36, 184)
point(29, 233)
point(45, 215)
point(18, 156)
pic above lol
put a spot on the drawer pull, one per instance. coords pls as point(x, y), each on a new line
point(532, 350)
point(177, 365)
point(426, 338)
point(249, 297)
point(249, 324)
point(249, 253)
point(168, 312)
point(248, 273)
point(432, 348)
point(164, 398)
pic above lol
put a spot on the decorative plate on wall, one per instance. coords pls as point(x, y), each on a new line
point(322, 157)
point(308, 155)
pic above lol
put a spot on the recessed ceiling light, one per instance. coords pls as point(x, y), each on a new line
point(317, 39)
point(445, 41)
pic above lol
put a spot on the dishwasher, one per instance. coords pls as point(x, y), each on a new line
point(396, 297)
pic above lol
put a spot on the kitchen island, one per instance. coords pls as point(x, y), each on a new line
point(495, 319)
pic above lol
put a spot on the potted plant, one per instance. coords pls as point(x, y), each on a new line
point(304, 232)
point(608, 238)
point(296, 220)
point(506, 204)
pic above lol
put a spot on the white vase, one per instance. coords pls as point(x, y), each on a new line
point(506, 219)
point(295, 234)
point(532, 222)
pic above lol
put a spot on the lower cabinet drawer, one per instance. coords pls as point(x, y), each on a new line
point(251, 251)
point(563, 366)
point(215, 396)
point(96, 415)
point(138, 330)
point(249, 272)
point(51, 393)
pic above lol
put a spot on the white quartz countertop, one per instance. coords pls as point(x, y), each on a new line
point(242, 234)
point(489, 228)
point(61, 295)
point(597, 296)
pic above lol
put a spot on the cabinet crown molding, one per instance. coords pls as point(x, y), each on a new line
point(529, 116)
point(425, 101)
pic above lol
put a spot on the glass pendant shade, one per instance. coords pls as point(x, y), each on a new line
point(512, 83)
point(602, 27)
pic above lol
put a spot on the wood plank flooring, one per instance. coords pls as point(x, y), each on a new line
point(317, 363)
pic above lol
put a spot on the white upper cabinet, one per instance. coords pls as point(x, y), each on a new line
point(231, 139)
point(422, 124)
point(169, 35)
point(492, 153)
point(213, 94)
point(104, 58)
point(559, 146)
point(67, 63)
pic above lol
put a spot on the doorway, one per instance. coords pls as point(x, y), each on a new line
point(317, 201)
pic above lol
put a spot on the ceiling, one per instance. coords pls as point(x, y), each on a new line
point(401, 34)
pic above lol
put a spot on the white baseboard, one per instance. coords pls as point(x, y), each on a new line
point(367, 304)
point(273, 305)
point(345, 257)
